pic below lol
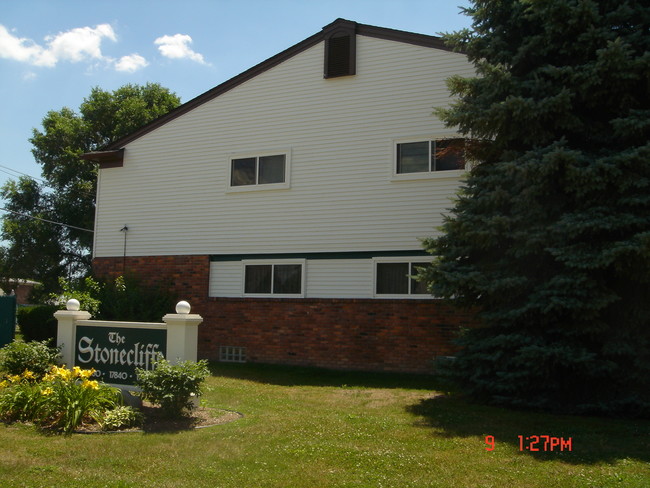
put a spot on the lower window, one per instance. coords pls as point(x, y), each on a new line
point(396, 278)
point(273, 279)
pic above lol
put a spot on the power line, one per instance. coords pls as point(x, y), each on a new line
point(87, 191)
point(45, 220)
point(21, 173)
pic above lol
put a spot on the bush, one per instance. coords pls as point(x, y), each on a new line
point(172, 386)
point(72, 397)
point(85, 291)
point(37, 323)
point(121, 417)
point(20, 398)
point(127, 298)
point(36, 357)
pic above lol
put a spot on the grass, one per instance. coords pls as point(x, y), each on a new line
point(315, 428)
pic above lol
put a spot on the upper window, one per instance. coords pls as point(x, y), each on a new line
point(396, 278)
point(427, 156)
point(257, 171)
point(284, 279)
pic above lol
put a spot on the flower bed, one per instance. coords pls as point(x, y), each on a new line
point(61, 400)
point(64, 400)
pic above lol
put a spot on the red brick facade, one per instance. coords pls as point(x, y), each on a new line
point(361, 334)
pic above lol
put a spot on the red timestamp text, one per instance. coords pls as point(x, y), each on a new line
point(537, 443)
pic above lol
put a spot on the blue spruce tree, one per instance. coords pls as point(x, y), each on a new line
point(549, 238)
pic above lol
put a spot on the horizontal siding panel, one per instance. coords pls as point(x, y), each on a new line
point(172, 189)
point(345, 278)
point(225, 279)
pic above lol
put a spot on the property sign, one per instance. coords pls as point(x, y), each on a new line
point(116, 352)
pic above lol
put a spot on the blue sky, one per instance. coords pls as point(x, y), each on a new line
point(52, 52)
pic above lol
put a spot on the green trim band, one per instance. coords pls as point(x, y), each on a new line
point(319, 255)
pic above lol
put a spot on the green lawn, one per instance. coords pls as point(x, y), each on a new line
point(314, 428)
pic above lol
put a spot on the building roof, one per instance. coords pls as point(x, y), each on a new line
point(113, 154)
point(21, 281)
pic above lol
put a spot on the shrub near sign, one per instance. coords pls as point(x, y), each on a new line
point(116, 352)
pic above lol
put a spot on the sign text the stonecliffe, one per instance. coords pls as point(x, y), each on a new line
point(115, 353)
point(139, 356)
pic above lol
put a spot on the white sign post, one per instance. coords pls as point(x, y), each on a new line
point(67, 328)
point(182, 333)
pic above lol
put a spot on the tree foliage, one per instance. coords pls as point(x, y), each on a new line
point(549, 238)
point(43, 251)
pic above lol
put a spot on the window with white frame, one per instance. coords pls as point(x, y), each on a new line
point(429, 155)
point(270, 170)
point(274, 279)
point(396, 278)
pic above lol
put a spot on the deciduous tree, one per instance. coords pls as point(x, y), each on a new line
point(44, 251)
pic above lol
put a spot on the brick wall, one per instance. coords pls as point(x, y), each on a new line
point(363, 334)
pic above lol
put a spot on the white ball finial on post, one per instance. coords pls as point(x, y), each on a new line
point(183, 307)
point(72, 305)
point(182, 333)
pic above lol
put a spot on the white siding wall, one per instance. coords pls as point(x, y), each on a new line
point(172, 189)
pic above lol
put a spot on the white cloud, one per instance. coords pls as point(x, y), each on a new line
point(80, 44)
point(131, 63)
point(83, 44)
point(177, 47)
point(75, 45)
point(21, 49)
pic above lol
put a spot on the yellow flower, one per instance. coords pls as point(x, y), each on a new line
point(14, 378)
point(52, 375)
point(4, 383)
point(86, 373)
point(77, 372)
point(47, 391)
point(64, 374)
point(94, 385)
point(58, 373)
point(28, 375)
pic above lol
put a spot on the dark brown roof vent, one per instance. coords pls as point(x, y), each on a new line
point(341, 51)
